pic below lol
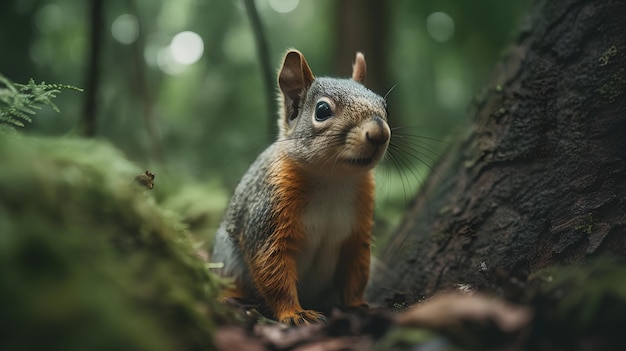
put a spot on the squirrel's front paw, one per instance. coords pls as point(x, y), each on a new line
point(297, 318)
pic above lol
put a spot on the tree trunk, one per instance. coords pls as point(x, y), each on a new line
point(541, 178)
point(96, 37)
point(363, 26)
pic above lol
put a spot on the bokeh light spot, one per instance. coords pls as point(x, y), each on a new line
point(440, 26)
point(49, 18)
point(283, 6)
point(125, 28)
point(167, 63)
point(187, 47)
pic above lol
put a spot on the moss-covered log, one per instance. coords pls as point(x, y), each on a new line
point(88, 261)
point(540, 179)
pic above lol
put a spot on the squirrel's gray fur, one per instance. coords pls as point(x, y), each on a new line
point(250, 219)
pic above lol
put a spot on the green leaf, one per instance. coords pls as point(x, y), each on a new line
point(18, 102)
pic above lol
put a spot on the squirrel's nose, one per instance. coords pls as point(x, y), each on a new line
point(377, 132)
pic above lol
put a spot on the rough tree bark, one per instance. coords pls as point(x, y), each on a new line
point(541, 178)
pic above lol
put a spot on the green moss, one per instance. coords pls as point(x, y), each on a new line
point(587, 299)
point(606, 56)
point(202, 206)
point(614, 87)
point(88, 261)
point(587, 227)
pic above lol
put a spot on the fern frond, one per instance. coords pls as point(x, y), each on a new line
point(18, 102)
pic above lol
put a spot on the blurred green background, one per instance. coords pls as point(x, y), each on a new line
point(180, 90)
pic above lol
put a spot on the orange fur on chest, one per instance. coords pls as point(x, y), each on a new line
point(275, 269)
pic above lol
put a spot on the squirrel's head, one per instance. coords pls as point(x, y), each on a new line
point(328, 122)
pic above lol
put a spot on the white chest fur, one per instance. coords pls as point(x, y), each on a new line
point(328, 221)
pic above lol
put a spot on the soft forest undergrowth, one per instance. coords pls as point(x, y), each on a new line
point(88, 261)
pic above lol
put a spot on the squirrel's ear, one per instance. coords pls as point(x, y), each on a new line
point(359, 68)
point(294, 79)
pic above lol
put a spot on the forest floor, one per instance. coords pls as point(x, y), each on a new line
point(574, 308)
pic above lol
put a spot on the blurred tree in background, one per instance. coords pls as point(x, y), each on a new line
point(180, 86)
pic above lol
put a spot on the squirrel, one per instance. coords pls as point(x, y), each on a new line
point(296, 235)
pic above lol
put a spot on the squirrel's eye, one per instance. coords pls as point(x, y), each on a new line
point(322, 111)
